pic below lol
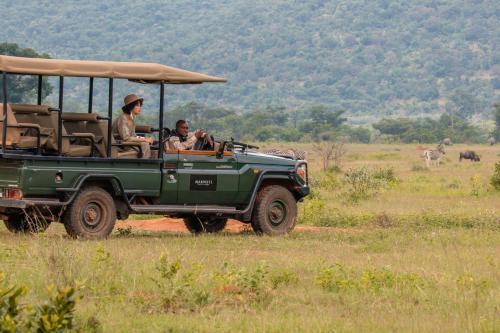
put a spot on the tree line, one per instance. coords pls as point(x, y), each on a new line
point(315, 123)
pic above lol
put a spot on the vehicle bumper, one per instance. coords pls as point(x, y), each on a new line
point(12, 203)
point(26, 203)
point(303, 191)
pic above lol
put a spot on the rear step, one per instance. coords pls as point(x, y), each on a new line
point(184, 209)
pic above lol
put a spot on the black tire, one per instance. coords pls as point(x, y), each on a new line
point(18, 224)
point(205, 224)
point(92, 215)
point(275, 211)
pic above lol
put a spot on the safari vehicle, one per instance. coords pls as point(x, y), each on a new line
point(61, 166)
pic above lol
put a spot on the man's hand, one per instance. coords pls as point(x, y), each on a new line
point(198, 133)
point(208, 140)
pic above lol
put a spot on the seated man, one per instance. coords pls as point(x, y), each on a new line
point(182, 139)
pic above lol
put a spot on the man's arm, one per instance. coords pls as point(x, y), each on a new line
point(174, 143)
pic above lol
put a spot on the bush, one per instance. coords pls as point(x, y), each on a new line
point(495, 179)
point(361, 183)
point(385, 175)
point(56, 314)
point(338, 278)
point(179, 288)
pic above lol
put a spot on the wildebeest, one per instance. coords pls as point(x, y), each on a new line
point(434, 155)
point(491, 141)
point(469, 155)
point(447, 142)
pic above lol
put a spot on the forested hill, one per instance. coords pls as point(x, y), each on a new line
point(370, 57)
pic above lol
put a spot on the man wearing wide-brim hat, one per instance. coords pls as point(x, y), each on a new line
point(124, 126)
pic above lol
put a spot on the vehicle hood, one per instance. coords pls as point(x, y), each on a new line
point(261, 158)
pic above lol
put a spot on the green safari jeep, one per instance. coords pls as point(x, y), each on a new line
point(60, 166)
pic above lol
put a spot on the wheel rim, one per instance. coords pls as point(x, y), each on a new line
point(276, 212)
point(91, 216)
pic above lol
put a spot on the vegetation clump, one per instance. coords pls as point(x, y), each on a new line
point(495, 178)
point(339, 278)
point(55, 314)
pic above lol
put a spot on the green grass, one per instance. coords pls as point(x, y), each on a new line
point(388, 278)
point(420, 253)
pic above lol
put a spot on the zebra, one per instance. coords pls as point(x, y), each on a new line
point(434, 155)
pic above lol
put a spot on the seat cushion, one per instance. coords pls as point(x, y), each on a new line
point(78, 151)
point(27, 142)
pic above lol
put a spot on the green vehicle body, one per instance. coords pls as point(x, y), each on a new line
point(228, 185)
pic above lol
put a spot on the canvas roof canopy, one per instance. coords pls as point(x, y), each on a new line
point(136, 71)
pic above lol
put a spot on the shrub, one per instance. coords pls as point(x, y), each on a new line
point(476, 185)
point(311, 210)
point(56, 314)
point(248, 285)
point(179, 290)
point(361, 183)
point(385, 175)
point(495, 179)
point(338, 278)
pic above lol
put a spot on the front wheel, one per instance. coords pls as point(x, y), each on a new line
point(205, 224)
point(275, 211)
point(92, 215)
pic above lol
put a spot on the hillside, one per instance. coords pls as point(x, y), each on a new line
point(370, 57)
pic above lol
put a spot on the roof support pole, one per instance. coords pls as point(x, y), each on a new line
point(59, 116)
point(4, 129)
point(39, 96)
point(160, 134)
point(110, 115)
point(91, 93)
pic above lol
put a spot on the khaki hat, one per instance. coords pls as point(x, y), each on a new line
point(132, 98)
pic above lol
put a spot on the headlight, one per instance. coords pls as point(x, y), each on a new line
point(302, 172)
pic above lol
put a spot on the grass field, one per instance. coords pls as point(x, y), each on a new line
point(418, 250)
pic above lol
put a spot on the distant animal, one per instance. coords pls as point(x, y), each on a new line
point(290, 153)
point(434, 155)
point(491, 141)
point(447, 142)
point(469, 155)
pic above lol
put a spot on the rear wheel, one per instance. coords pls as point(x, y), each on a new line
point(20, 224)
point(205, 224)
point(92, 215)
point(275, 211)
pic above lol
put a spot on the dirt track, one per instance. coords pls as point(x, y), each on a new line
point(177, 225)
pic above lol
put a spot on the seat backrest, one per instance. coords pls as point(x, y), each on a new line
point(52, 120)
point(75, 122)
point(32, 114)
point(100, 129)
point(13, 134)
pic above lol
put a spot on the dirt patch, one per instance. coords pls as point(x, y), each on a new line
point(177, 225)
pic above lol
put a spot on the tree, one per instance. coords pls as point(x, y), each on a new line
point(23, 88)
point(463, 105)
point(322, 116)
point(496, 113)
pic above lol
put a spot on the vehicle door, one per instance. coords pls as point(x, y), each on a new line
point(203, 178)
point(169, 178)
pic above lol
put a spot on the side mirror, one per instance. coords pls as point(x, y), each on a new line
point(220, 152)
